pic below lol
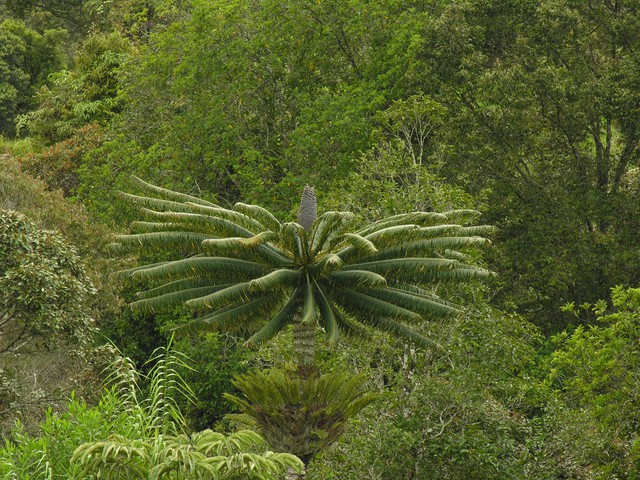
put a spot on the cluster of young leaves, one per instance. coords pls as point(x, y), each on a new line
point(301, 415)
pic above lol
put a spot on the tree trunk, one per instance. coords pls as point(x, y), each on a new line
point(304, 346)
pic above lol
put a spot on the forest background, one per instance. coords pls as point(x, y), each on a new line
point(527, 111)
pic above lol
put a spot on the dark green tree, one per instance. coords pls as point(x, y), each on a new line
point(27, 57)
point(44, 292)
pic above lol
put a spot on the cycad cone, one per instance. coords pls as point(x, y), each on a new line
point(308, 208)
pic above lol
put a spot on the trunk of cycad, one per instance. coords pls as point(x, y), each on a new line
point(304, 347)
point(303, 332)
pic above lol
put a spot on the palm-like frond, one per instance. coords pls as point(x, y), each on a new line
point(245, 267)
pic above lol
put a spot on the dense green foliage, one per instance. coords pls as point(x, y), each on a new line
point(524, 110)
point(45, 291)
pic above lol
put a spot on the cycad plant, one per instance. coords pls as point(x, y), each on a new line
point(300, 415)
point(241, 268)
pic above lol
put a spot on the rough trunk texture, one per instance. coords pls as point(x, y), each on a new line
point(304, 345)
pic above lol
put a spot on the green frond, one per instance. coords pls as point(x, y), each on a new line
point(440, 245)
point(462, 215)
point(308, 305)
point(361, 304)
point(327, 317)
point(238, 218)
point(176, 286)
point(129, 272)
point(262, 215)
point(157, 204)
point(405, 266)
point(226, 317)
point(170, 300)
point(170, 194)
point(454, 255)
point(147, 227)
point(293, 238)
point(327, 264)
point(328, 226)
point(414, 302)
point(283, 278)
point(358, 278)
point(463, 273)
point(182, 241)
point(415, 290)
point(278, 322)
point(213, 225)
point(237, 244)
point(422, 219)
point(260, 239)
point(229, 244)
point(479, 230)
point(223, 267)
point(393, 234)
point(233, 294)
point(403, 234)
point(399, 330)
point(359, 243)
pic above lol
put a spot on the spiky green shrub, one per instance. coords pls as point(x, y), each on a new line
point(242, 268)
point(301, 415)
